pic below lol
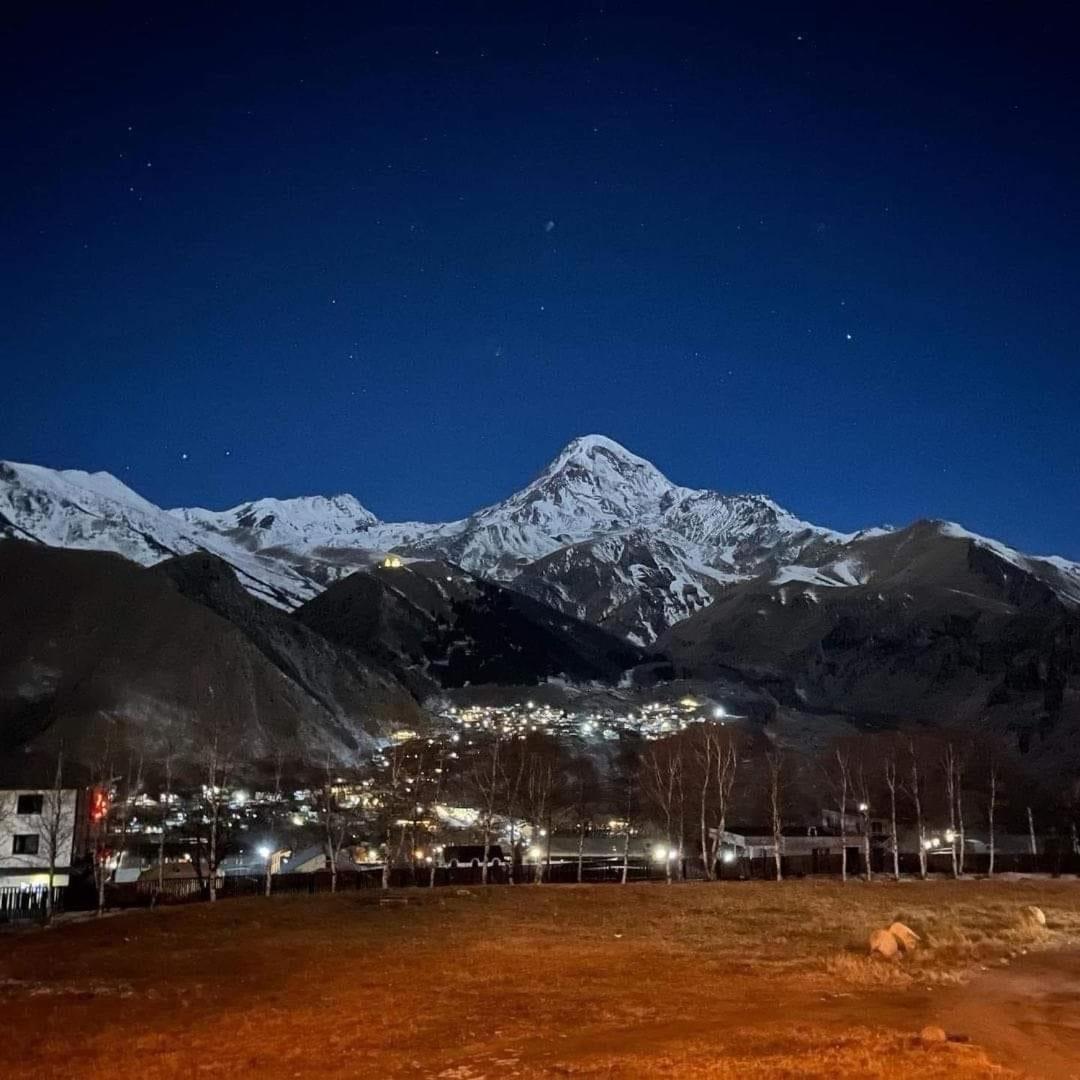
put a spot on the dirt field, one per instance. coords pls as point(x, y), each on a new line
point(732, 980)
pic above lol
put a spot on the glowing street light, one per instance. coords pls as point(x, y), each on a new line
point(265, 851)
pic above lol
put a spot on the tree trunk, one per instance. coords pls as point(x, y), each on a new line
point(960, 821)
point(950, 793)
point(580, 850)
point(843, 830)
point(990, 821)
point(894, 839)
point(212, 856)
point(1034, 847)
point(487, 852)
point(164, 825)
point(866, 848)
point(708, 864)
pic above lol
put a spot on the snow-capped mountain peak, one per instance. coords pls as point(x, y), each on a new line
point(310, 520)
point(600, 533)
point(592, 485)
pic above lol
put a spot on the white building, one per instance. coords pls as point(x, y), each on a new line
point(38, 827)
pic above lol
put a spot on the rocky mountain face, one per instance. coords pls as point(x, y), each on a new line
point(600, 535)
point(97, 651)
point(438, 626)
point(924, 626)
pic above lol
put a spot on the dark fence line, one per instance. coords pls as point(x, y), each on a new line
point(19, 903)
point(146, 892)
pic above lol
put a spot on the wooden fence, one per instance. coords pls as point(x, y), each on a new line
point(20, 903)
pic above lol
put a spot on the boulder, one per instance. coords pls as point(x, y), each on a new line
point(1035, 915)
point(932, 1034)
point(908, 939)
point(883, 944)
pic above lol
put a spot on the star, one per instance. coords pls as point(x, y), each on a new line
point(183, 456)
point(848, 336)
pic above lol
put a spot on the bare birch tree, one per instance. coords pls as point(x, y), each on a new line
point(891, 784)
point(951, 771)
point(584, 782)
point(843, 789)
point(775, 763)
point(333, 817)
point(661, 782)
point(541, 777)
point(991, 808)
point(715, 754)
point(915, 792)
point(58, 825)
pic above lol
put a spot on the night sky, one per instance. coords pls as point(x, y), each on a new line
point(834, 257)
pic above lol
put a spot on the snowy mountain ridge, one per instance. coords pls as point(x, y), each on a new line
point(601, 534)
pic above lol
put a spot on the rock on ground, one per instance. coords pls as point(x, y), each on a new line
point(908, 939)
point(882, 943)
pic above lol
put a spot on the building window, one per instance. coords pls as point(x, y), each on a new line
point(25, 844)
point(30, 804)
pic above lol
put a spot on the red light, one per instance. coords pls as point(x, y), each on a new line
point(99, 804)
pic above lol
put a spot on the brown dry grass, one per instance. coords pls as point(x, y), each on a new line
point(748, 980)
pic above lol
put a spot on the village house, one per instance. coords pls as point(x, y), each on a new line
point(39, 828)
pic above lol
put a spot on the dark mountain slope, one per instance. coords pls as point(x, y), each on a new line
point(90, 642)
point(341, 682)
point(447, 628)
point(946, 633)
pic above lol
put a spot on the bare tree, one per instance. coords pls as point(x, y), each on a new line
point(951, 769)
point(102, 810)
point(843, 788)
point(891, 784)
point(862, 794)
point(991, 807)
point(126, 798)
point(217, 763)
point(485, 776)
point(915, 791)
point(541, 776)
point(716, 759)
point(165, 799)
point(661, 782)
point(389, 781)
point(775, 763)
point(435, 833)
point(514, 765)
point(583, 790)
point(333, 817)
point(58, 823)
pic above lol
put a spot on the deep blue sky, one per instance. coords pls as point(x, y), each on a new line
point(312, 252)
